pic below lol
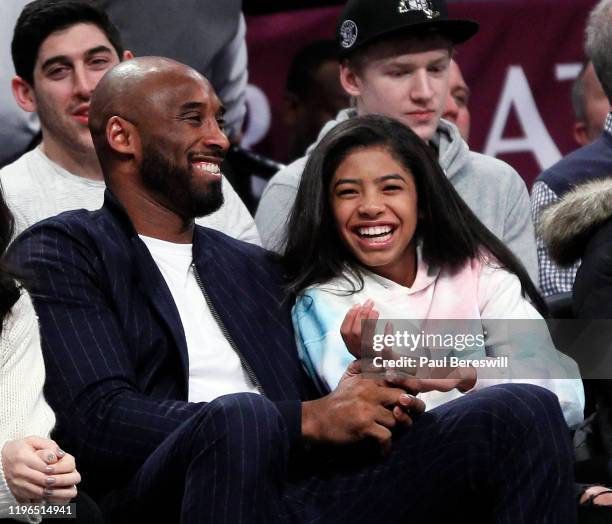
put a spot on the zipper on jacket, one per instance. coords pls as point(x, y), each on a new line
point(246, 366)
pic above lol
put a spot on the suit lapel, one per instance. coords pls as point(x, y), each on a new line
point(153, 285)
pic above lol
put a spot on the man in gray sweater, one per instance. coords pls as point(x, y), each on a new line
point(395, 61)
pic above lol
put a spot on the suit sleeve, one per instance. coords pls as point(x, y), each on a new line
point(102, 416)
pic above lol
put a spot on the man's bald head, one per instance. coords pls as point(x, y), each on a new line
point(157, 126)
point(130, 89)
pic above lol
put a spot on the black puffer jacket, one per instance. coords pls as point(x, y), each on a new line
point(580, 226)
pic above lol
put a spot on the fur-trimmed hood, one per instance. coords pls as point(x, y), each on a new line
point(567, 225)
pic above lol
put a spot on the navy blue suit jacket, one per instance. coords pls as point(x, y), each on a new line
point(587, 163)
point(114, 346)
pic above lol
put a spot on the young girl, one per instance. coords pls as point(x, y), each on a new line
point(378, 230)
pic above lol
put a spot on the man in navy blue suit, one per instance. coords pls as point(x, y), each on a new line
point(172, 367)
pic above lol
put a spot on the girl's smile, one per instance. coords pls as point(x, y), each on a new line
point(374, 201)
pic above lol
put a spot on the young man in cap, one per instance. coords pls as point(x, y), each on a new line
point(395, 61)
point(61, 49)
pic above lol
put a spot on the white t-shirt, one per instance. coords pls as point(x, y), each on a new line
point(36, 188)
point(214, 367)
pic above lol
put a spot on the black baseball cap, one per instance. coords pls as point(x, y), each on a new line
point(363, 21)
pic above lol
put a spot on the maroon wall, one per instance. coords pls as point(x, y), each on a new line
point(523, 52)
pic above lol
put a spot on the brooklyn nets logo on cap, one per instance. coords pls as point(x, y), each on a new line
point(348, 33)
point(417, 5)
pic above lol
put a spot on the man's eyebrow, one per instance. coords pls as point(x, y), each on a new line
point(188, 106)
point(98, 49)
point(63, 59)
point(440, 60)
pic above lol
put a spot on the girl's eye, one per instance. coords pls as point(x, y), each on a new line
point(392, 187)
point(346, 192)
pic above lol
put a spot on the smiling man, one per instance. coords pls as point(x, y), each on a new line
point(395, 61)
point(61, 49)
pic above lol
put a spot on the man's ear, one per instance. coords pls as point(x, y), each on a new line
point(350, 80)
point(122, 136)
point(580, 133)
point(24, 94)
point(127, 55)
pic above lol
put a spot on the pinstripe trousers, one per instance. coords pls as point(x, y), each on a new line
point(499, 455)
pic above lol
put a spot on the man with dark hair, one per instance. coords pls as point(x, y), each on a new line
point(40, 18)
point(61, 50)
point(395, 58)
point(591, 105)
point(313, 94)
point(172, 366)
point(591, 161)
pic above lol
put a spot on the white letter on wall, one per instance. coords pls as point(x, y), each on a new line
point(536, 140)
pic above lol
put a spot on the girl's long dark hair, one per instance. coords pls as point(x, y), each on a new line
point(9, 288)
point(449, 231)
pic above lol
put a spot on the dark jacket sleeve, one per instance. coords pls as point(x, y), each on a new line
point(592, 292)
point(592, 299)
point(102, 417)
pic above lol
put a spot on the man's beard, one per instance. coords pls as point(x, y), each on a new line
point(176, 185)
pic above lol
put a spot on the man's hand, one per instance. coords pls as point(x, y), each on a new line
point(36, 468)
point(359, 408)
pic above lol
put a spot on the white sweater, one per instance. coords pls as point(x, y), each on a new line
point(23, 410)
point(36, 188)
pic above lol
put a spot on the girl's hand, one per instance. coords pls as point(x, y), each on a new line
point(36, 468)
point(350, 329)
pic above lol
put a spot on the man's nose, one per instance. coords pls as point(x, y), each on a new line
point(421, 86)
point(84, 82)
point(215, 137)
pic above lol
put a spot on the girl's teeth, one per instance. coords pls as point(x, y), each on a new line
point(381, 239)
point(376, 230)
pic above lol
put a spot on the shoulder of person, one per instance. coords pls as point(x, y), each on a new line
point(220, 242)
point(290, 175)
point(493, 168)
point(16, 176)
point(567, 166)
point(21, 320)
